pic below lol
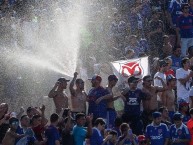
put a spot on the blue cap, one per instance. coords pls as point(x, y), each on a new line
point(177, 116)
point(170, 77)
point(156, 114)
point(96, 78)
point(112, 78)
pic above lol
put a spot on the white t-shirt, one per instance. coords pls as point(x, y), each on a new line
point(158, 82)
point(183, 89)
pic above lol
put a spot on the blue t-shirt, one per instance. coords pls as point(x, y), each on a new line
point(79, 134)
point(133, 101)
point(175, 10)
point(52, 134)
point(157, 134)
point(31, 137)
point(98, 110)
point(179, 133)
point(96, 138)
point(176, 62)
point(185, 24)
point(185, 119)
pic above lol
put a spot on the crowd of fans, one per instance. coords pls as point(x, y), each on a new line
point(157, 113)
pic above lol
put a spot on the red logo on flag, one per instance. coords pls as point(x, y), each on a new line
point(131, 68)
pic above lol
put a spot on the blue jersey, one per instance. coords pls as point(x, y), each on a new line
point(98, 110)
point(185, 24)
point(31, 137)
point(179, 133)
point(185, 119)
point(176, 62)
point(133, 101)
point(52, 134)
point(157, 134)
point(96, 138)
point(175, 10)
point(79, 134)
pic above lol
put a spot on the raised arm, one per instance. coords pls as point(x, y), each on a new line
point(44, 120)
point(89, 128)
point(71, 87)
point(53, 92)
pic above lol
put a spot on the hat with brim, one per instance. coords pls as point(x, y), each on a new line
point(132, 79)
point(96, 78)
point(63, 80)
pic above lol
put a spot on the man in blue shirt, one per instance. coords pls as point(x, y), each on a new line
point(184, 29)
point(97, 137)
point(52, 133)
point(174, 10)
point(100, 109)
point(79, 131)
point(157, 133)
point(24, 128)
point(176, 58)
point(179, 133)
point(133, 97)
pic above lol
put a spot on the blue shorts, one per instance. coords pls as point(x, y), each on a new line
point(111, 116)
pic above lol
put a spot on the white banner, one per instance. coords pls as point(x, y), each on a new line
point(124, 68)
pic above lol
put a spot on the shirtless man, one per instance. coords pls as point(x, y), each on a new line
point(11, 134)
point(78, 96)
point(59, 97)
point(151, 105)
point(168, 96)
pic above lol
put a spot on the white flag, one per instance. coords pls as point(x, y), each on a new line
point(124, 68)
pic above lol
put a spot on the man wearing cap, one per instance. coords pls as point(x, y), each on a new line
point(98, 110)
point(160, 77)
point(132, 111)
point(157, 133)
point(183, 109)
point(179, 133)
point(168, 96)
point(58, 95)
point(78, 95)
point(184, 78)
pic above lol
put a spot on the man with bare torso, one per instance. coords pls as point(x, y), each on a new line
point(78, 96)
point(168, 96)
point(58, 95)
point(151, 105)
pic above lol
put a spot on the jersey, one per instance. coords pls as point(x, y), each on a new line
point(175, 10)
point(98, 110)
point(185, 24)
point(179, 133)
point(52, 134)
point(157, 134)
point(133, 102)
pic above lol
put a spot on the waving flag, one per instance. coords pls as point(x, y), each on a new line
point(124, 68)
